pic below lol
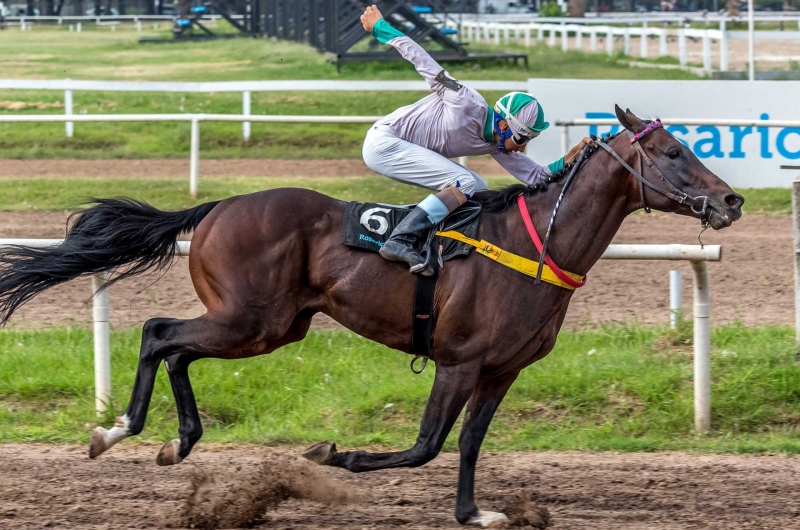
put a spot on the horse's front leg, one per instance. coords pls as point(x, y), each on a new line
point(488, 395)
point(451, 390)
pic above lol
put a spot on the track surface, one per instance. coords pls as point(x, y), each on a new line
point(752, 283)
point(59, 487)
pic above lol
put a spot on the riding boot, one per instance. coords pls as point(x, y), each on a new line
point(401, 245)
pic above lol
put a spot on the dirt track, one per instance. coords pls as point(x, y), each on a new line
point(753, 282)
point(58, 487)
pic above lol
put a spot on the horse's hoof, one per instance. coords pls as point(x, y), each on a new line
point(321, 453)
point(168, 456)
point(488, 520)
point(98, 444)
point(103, 440)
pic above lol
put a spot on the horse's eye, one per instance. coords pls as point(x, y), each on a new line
point(673, 153)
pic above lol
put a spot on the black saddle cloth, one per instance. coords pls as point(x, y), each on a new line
point(368, 225)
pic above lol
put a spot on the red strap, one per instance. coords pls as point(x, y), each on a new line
point(526, 218)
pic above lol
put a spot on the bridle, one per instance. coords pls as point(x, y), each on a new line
point(699, 204)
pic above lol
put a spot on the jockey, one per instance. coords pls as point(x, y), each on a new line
point(415, 143)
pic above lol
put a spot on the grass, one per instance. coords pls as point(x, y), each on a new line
point(49, 52)
point(172, 194)
point(623, 388)
point(56, 53)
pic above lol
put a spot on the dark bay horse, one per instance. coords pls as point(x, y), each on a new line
point(264, 264)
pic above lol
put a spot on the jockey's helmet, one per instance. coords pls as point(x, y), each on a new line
point(524, 115)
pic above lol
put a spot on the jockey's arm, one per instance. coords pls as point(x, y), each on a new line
point(525, 169)
point(522, 167)
point(428, 68)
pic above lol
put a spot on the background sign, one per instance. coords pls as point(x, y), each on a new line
point(745, 157)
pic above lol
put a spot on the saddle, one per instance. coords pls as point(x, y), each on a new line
point(367, 225)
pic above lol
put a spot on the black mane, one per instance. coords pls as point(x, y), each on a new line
point(501, 199)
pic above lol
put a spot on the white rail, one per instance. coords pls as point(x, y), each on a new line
point(194, 119)
point(501, 32)
point(698, 256)
point(245, 87)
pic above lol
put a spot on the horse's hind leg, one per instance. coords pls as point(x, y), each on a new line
point(191, 429)
point(451, 389)
point(162, 337)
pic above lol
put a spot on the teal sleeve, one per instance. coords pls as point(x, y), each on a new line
point(556, 166)
point(384, 32)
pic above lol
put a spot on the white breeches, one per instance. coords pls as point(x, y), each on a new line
point(398, 159)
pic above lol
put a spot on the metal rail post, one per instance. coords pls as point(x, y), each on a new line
point(564, 140)
point(643, 41)
point(796, 226)
point(675, 298)
point(751, 50)
point(194, 159)
point(627, 41)
point(702, 348)
point(68, 126)
point(682, 47)
point(246, 112)
point(102, 350)
point(723, 48)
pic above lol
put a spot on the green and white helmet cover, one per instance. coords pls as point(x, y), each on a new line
point(523, 113)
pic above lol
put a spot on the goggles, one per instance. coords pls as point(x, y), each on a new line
point(516, 126)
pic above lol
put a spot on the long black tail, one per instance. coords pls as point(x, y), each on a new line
point(122, 236)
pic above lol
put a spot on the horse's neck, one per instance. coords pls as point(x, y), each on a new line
point(591, 213)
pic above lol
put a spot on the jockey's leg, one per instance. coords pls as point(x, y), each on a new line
point(401, 246)
point(398, 159)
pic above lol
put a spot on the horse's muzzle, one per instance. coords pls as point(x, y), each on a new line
point(723, 212)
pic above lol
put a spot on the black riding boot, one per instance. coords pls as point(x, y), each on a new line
point(401, 244)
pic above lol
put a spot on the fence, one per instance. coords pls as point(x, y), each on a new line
point(495, 32)
point(697, 255)
point(195, 119)
point(245, 87)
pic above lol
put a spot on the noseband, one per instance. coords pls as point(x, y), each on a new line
point(699, 204)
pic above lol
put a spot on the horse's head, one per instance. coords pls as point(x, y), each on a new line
point(709, 198)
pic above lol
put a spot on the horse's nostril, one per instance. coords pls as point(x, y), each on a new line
point(734, 200)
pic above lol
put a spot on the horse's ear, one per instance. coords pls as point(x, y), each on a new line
point(637, 124)
point(622, 117)
point(629, 120)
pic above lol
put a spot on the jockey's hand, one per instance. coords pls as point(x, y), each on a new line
point(370, 17)
point(575, 152)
